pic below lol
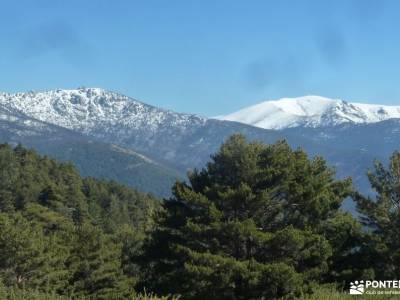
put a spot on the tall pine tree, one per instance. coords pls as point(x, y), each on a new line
point(250, 225)
point(381, 216)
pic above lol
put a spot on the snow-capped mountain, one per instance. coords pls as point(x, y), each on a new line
point(108, 117)
point(111, 117)
point(311, 111)
point(93, 109)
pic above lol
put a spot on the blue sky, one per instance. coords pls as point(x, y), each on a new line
point(205, 57)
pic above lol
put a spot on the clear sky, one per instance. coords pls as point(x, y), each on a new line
point(205, 57)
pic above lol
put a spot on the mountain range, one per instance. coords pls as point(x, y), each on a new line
point(112, 136)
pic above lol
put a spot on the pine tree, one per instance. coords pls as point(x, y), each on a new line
point(27, 257)
point(381, 216)
point(250, 225)
point(96, 266)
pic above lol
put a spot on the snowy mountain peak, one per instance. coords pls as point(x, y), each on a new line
point(311, 111)
point(93, 109)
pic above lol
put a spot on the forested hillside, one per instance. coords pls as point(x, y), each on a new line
point(66, 234)
point(258, 222)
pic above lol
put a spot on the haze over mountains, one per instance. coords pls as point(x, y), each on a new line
point(110, 135)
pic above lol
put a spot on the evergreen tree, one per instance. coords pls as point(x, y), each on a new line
point(250, 225)
point(381, 216)
point(27, 257)
point(96, 266)
point(9, 175)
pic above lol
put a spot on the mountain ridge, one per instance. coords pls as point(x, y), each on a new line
point(311, 111)
point(85, 108)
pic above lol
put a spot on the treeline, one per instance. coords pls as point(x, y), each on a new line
point(258, 222)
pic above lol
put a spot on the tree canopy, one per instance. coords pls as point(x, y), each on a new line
point(253, 224)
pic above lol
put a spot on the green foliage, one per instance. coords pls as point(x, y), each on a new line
point(345, 234)
point(62, 235)
point(381, 216)
point(95, 264)
point(15, 293)
point(251, 225)
point(28, 178)
point(28, 258)
point(259, 222)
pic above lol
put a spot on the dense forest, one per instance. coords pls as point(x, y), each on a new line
point(258, 222)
